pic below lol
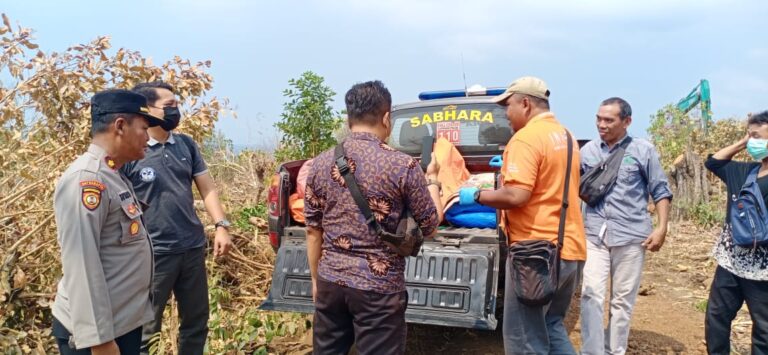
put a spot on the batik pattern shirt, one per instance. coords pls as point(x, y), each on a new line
point(352, 255)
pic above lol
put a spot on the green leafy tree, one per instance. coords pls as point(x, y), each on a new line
point(308, 120)
point(674, 132)
point(683, 145)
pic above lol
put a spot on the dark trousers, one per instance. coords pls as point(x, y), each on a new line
point(129, 344)
point(374, 322)
point(185, 275)
point(726, 296)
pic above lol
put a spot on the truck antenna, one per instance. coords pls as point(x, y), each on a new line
point(464, 74)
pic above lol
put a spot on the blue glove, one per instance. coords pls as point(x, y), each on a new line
point(495, 162)
point(467, 196)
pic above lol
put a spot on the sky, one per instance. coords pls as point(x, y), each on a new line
point(651, 52)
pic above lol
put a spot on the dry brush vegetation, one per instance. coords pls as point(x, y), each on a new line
point(44, 125)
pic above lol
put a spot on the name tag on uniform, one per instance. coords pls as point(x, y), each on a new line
point(133, 229)
point(129, 205)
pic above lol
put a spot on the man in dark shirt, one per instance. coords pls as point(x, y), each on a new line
point(163, 179)
point(358, 282)
point(742, 272)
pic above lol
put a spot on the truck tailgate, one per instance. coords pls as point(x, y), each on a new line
point(452, 282)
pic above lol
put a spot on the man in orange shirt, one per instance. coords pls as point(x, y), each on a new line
point(531, 198)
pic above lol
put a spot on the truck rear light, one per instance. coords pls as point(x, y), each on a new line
point(273, 239)
point(273, 197)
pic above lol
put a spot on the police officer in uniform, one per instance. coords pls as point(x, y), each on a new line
point(103, 297)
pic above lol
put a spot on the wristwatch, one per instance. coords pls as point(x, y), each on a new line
point(222, 223)
point(477, 196)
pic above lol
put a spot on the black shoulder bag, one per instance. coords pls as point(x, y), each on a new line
point(407, 240)
point(535, 264)
point(596, 183)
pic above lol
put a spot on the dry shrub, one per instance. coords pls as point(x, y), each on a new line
point(44, 125)
point(242, 178)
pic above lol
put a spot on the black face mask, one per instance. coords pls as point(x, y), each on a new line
point(171, 118)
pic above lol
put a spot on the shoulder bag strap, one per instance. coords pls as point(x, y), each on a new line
point(564, 207)
point(620, 150)
point(752, 176)
point(625, 143)
point(354, 189)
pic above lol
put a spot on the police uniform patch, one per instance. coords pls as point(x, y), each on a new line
point(91, 193)
point(93, 183)
point(134, 229)
point(147, 174)
point(132, 210)
point(91, 198)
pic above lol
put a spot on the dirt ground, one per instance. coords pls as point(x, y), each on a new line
point(668, 317)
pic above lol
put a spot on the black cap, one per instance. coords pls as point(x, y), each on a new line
point(121, 101)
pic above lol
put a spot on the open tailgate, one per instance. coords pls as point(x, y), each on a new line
point(452, 282)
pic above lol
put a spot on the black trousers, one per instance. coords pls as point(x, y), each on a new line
point(183, 274)
point(727, 294)
point(374, 322)
point(129, 344)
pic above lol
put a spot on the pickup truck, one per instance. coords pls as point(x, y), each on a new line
point(455, 279)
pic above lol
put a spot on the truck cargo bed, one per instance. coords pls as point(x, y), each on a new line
point(452, 282)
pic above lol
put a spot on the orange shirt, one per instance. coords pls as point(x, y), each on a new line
point(535, 160)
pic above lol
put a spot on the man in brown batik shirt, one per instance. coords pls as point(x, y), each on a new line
point(358, 282)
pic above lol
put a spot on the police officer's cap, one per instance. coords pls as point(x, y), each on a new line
point(120, 101)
